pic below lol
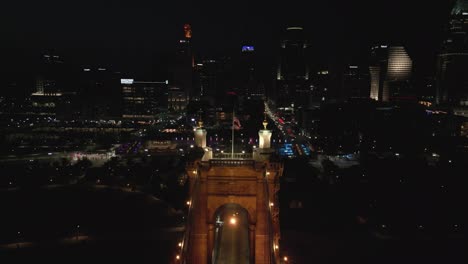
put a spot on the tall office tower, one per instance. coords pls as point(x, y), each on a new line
point(100, 93)
point(51, 76)
point(183, 65)
point(293, 72)
point(142, 100)
point(176, 100)
point(355, 82)
point(206, 73)
point(50, 82)
point(452, 61)
point(390, 72)
point(214, 80)
point(248, 84)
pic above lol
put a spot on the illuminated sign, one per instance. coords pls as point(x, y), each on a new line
point(126, 81)
point(247, 48)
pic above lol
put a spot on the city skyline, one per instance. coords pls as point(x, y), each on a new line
point(234, 132)
point(142, 34)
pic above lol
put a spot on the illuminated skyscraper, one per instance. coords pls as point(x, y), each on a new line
point(390, 72)
point(452, 62)
point(183, 66)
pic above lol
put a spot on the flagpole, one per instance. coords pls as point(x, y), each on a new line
point(232, 150)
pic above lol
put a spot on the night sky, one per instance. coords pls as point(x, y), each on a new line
point(137, 33)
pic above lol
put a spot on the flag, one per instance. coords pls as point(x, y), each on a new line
point(236, 123)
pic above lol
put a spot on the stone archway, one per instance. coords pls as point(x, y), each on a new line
point(231, 235)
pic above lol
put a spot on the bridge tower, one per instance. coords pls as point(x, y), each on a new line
point(250, 181)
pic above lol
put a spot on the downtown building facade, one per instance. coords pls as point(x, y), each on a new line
point(452, 61)
point(390, 72)
point(142, 99)
point(292, 74)
point(184, 64)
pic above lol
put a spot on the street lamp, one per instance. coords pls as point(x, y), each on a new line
point(77, 232)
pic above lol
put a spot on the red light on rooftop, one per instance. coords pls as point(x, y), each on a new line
point(188, 31)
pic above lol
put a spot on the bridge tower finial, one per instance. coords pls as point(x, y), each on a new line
point(265, 122)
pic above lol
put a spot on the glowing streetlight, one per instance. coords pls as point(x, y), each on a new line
point(180, 244)
point(232, 221)
point(285, 259)
point(177, 257)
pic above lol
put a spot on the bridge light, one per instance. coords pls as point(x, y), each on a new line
point(271, 204)
point(194, 171)
point(177, 257)
point(232, 221)
point(276, 246)
point(268, 173)
point(188, 202)
point(285, 258)
point(180, 244)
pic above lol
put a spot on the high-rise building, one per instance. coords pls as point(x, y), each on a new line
point(355, 82)
point(390, 72)
point(214, 80)
point(246, 73)
point(292, 73)
point(176, 99)
point(452, 61)
point(99, 93)
point(143, 100)
point(184, 62)
point(50, 83)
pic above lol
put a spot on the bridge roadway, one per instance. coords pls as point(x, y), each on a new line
point(232, 240)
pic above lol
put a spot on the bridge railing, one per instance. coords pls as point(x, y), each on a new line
point(232, 156)
point(230, 163)
point(194, 192)
point(270, 225)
